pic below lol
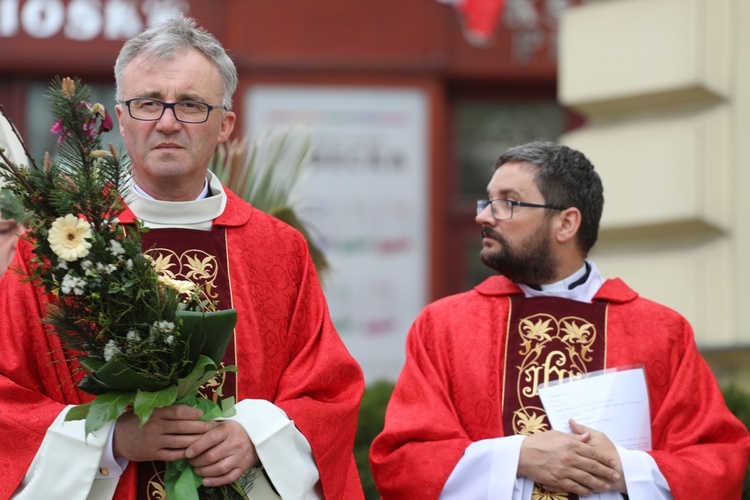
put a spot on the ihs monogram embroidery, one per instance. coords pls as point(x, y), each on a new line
point(550, 349)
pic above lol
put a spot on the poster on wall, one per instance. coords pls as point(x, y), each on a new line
point(366, 199)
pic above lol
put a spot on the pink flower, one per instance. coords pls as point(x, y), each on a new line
point(59, 129)
point(98, 112)
point(98, 122)
point(107, 123)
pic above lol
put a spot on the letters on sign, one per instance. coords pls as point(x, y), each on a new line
point(84, 20)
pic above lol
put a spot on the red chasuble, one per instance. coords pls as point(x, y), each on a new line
point(287, 352)
point(452, 388)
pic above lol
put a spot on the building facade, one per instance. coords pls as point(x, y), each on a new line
point(664, 86)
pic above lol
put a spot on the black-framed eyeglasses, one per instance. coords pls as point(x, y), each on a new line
point(502, 208)
point(151, 110)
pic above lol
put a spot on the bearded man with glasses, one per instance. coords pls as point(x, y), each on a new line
point(466, 421)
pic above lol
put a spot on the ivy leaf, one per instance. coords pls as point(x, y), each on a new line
point(174, 475)
point(107, 407)
point(204, 370)
point(146, 402)
point(187, 485)
point(227, 407)
point(78, 412)
point(211, 410)
point(189, 385)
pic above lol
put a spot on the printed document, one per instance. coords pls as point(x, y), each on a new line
point(613, 402)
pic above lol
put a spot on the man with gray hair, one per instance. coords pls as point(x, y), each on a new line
point(466, 420)
point(297, 387)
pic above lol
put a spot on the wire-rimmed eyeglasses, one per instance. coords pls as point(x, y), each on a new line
point(502, 208)
point(151, 110)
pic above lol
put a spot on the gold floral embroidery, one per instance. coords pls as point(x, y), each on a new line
point(193, 265)
point(156, 489)
point(531, 331)
point(215, 386)
point(162, 262)
point(526, 424)
point(582, 334)
point(540, 493)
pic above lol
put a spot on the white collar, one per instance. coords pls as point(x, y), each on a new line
point(203, 193)
point(582, 293)
point(197, 214)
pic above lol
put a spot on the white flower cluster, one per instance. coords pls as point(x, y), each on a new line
point(106, 268)
point(73, 284)
point(115, 248)
point(111, 350)
point(162, 330)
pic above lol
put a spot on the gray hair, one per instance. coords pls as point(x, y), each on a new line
point(565, 178)
point(175, 37)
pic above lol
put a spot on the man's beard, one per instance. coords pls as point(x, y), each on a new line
point(531, 262)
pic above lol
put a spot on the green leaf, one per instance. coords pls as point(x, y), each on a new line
point(227, 407)
point(78, 412)
point(90, 385)
point(203, 371)
point(90, 365)
point(205, 333)
point(172, 474)
point(211, 410)
point(116, 375)
point(11, 207)
point(186, 487)
point(147, 401)
point(107, 407)
point(189, 385)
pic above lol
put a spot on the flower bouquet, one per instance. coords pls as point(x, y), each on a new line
point(141, 340)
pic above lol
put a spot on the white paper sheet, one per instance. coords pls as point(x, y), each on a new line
point(613, 402)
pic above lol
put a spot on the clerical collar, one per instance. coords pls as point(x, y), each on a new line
point(197, 214)
point(203, 193)
point(576, 279)
point(581, 285)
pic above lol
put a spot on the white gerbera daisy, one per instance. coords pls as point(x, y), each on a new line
point(68, 237)
point(182, 286)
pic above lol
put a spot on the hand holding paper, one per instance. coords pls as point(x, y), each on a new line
point(615, 403)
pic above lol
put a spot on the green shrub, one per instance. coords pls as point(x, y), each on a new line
point(371, 420)
point(739, 404)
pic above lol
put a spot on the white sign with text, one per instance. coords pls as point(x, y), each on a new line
point(366, 198)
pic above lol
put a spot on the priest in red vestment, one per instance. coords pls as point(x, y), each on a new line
point(465, 420)
point(298, 389)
